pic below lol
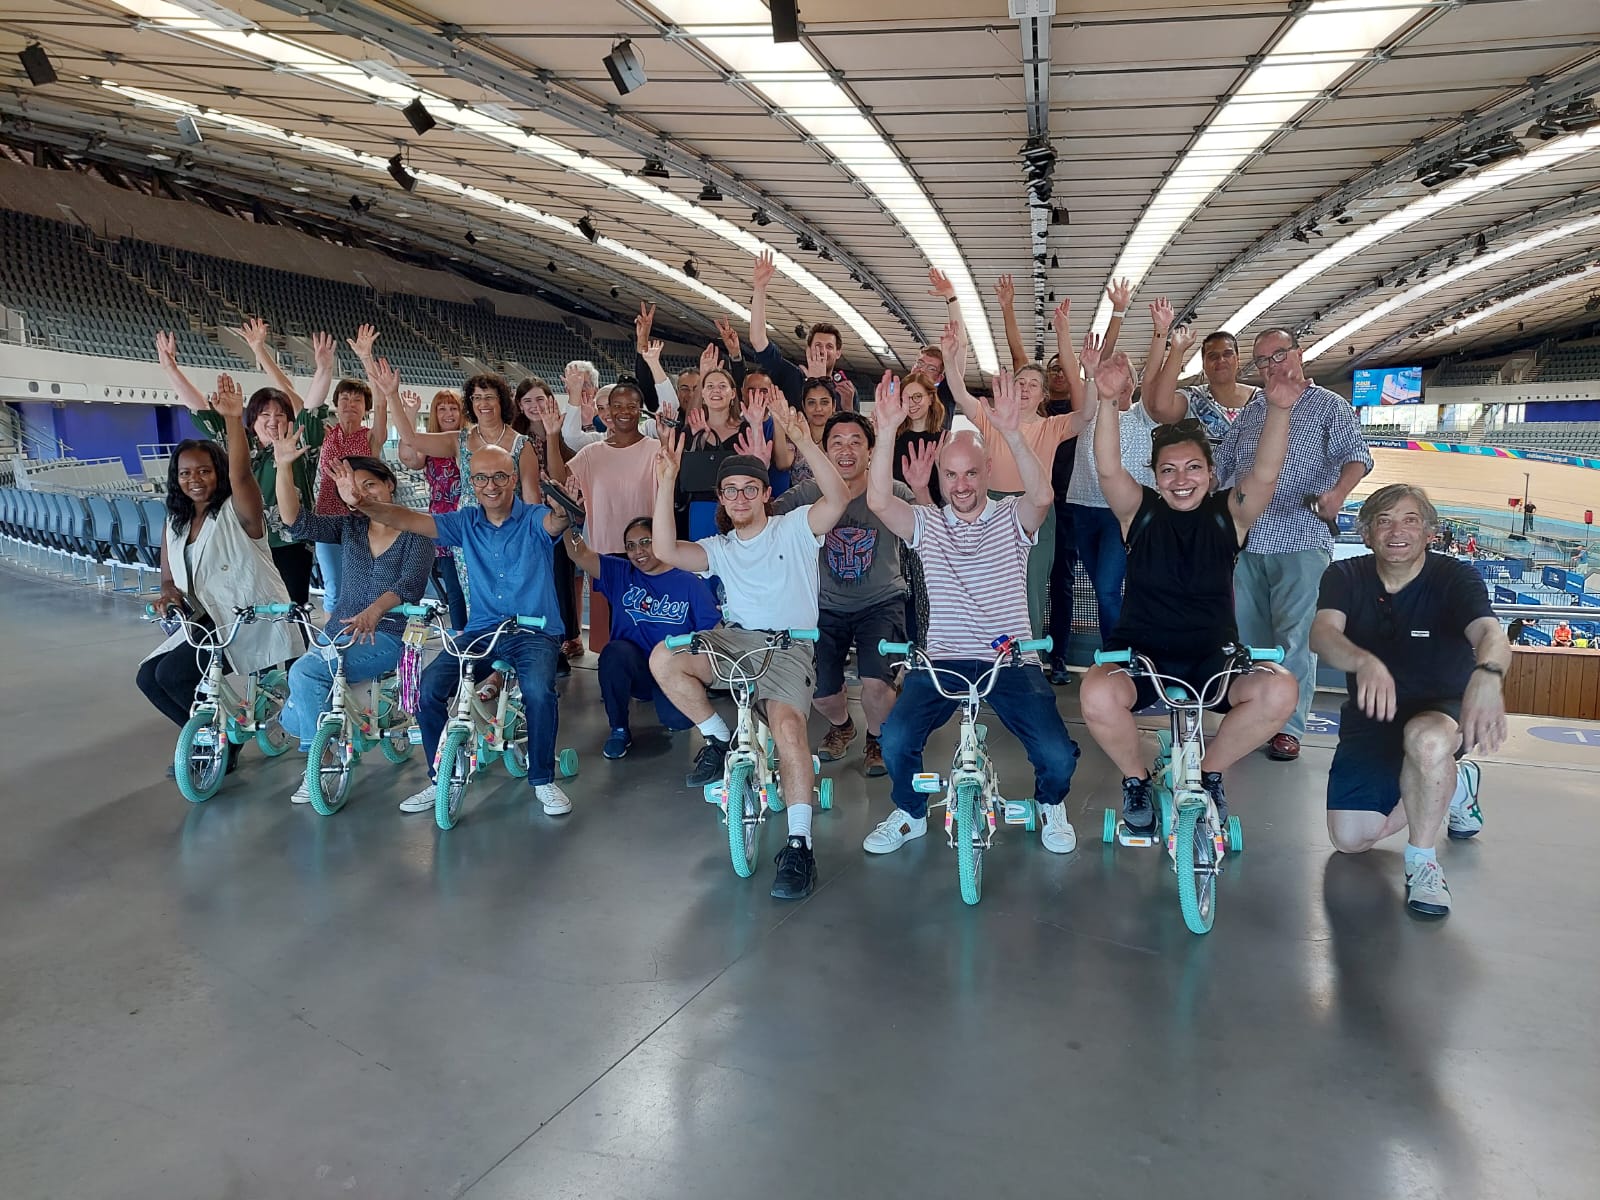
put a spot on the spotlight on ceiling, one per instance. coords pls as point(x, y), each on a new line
point(654, 168)
point(615, 293)
point(472, 238)
point(550, 266)
point(804, 241)
point(823, 254)
point(586, 227)
point(710, 193)
point(1300, 235)
point(625, 65)
point(689, 269)
point(1060, 216)
point(1480, 246)
point(800, 331)
point(189, 131)
point(417, 115)
point(398, 172)
point(785, 20)
point(37, 64)
point(1055, 262)
point(1563, 119)
point(760, 217)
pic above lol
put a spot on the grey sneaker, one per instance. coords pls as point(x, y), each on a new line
point(1427, 894)
point(1466, 817)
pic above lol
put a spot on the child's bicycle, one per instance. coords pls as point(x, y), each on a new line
point(359, 717)
point(221, 717)
point(481, 732)
point(750, 779)
point(1196, 839)
point(972, 802)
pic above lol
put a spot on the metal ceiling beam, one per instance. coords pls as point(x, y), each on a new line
point(1403, 168)
point(1033, 21)
point(1504, 290)
point(542, 89)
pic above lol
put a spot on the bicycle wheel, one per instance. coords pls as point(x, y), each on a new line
point(516, 742)
point(328, 765)
point(455, 771)
point(969, 850)
point(744, 820)
point(272, 739)
point(200, 759)
point(396, 744)
point(1196, 863)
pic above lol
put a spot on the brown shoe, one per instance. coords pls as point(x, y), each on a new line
point(837, 744)
point(1284, 747)
point(572, 648)
point(872, 758)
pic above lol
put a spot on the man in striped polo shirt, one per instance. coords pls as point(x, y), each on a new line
point(974, 554)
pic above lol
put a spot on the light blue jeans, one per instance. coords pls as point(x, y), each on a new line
point(311, 680)
point(330, 560)
point(1275, 601)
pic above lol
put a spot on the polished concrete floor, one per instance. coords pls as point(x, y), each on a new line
point(244, 1000)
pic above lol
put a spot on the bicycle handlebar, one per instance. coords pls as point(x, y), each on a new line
point(1271, 654)
point(1180, 693)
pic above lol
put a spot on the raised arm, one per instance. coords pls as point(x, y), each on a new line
point(580, 552)
point(761, 277)
point(1253, 491)
point(827, 510)
point(247, 501)
point(1120, 293)
point(888, 414)
point(408, 411)
point(1077, 387)
point(395, 516)
point(255, 332)
point(1161, 399)
point(324, 363)
point(953, 343)
point(285, 451)
point(167, 355)
point(548, 410)
point(917, 468)
point(1113, 381)
point(663, 521)
point(1005, 415)
point(1005, 293)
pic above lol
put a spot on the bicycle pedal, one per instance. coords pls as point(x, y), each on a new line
point(1016, 812)
point(1129, 838)
point(414, 736)
point(927, 782)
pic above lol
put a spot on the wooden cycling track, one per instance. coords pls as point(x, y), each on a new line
point(1469, 480)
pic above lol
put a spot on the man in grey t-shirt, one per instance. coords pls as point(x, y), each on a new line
point(862, 597)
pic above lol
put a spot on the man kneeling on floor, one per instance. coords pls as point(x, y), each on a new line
point(1425, 659)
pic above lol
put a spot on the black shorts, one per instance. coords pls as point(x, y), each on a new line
point(1365, 775)
point(838, 631)
point(1196, 672)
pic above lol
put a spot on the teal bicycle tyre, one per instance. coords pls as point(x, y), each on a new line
point(969, 854)
point(454, 773)
point(1235, 835)
point(744, 820)
point(272, 739)
point(825, 794)
point(567, 763)
point(1195, 858)
point(1108, 826)
point(328, 786)
point(516, 743)
point(199, 769)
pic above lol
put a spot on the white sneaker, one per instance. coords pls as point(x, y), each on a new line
point(1466, 817)
point(898, 828)
point(421, 801)
point(302, 794)
point(555, 801)
point(1055, 831)
point(1427, 894)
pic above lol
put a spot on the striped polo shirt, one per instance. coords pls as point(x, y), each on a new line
point(977, 577)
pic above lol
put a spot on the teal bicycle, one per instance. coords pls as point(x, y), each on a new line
point(974, 808)
point(221, 716)
point(751, 786)
point(1196, 838)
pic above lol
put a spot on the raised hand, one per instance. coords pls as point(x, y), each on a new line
point(668, 457)
point(1061, 320)
point(1005, 405)
point(763, 271)
point(651, 352)
point(642, 324)
point(386, 378)
point(588, 405)
point(288, 448)
point(1005, 291)
point(710, 359)
point(362, 342)
point(917, 464)
point(698, 424)
point(575, 381)
point(1182, 340)
point(410, 403)
point(794, 424)
point(668, 412)
point(345, 480)
point(1120, 293)
point(939, 284)
point(254, 331)
point(323, 351)
point(755, 410)
point(1161, 316)
point(888, 407)
point(228, 400)
point(1089, 352)
point(953, 343)
point(730, 337)
point(549, 413)
point(1113, 378)
point(1284, 389)
point(753, 441)
point(167, 350)
point(816, 361)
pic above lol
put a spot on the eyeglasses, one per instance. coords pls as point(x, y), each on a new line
point(1262, 361)
point(1177, 431)
point(641, 544)
point(731, 492)
point(499, 479)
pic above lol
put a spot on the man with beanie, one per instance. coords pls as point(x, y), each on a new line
point(769, 571)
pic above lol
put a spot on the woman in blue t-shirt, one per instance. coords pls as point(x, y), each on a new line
point(650, 602)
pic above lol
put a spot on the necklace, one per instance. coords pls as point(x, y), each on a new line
point(497, 442)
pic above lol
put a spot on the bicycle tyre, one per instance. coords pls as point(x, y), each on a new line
point(328, 787)
point(396, 744)
point(744, 820)
point(198, 781)
point(969, 854)
point(1196, 866)
point(454, 773)
point(272, 739)
point(516, 742)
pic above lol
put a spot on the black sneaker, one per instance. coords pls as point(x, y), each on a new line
point(1212, 782)
point(1059, 675)
point(563, 667)
point(1138, 814)
point(797, 871)
point(707, 764)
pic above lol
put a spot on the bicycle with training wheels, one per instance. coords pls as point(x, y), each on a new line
point(481, 732)
point(221, 716)
point(974, 808)
point(751, 785)
point(1197, 840)
point(358, 717)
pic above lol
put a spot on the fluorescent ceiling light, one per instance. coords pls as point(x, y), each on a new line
point(1324, 42)
point(739, 33)
point(1427, 286)
point(1520, 298)
point(291, 56)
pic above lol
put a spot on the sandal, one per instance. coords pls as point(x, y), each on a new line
point(489, 690)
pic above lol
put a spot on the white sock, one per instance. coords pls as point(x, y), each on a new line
point(800, 821)
point(715, 727)
point(1415, 855)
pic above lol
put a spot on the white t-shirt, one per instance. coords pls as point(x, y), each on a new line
point(1134, 428)
point(771, 580)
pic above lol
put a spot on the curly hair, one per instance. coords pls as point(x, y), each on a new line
point(259, 400)
point(497, 385)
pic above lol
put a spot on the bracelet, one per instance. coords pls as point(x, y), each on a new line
point(1119, 312)
point(1491, 668)
point(951, 299)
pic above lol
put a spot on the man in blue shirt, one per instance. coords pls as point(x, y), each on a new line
point(509, 548)
point(650, 602)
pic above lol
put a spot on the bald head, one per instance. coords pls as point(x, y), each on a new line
point(494, 479)
point(964, 473)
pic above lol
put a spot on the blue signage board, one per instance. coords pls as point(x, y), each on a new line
point(1534, 636)
point(1528, 598)
point(1497, 568)
point(1553, 577)
point(1504, 595)
point(1387, 385)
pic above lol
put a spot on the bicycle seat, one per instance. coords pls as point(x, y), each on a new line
point(502, 666)
point(1180, 695)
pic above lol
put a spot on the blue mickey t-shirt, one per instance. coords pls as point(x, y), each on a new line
point(646, 609)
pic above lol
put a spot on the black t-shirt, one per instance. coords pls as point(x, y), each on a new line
point(1179, 596)
point(1066, 455)
point(903, 441)
point(1419, 632)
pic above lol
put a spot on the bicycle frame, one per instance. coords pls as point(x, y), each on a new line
point(214, 690)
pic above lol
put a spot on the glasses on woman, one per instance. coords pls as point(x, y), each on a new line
point(748, 491)
point(499, 479)
point(641, 544)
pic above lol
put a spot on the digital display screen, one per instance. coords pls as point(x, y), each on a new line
point(1384, 386)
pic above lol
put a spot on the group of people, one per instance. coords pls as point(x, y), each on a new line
point(752, 496)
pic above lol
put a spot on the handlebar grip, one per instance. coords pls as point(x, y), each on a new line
point(1044, 645)
point(414, 610)
point(887, 648)
point(531, 622)
point(679, 640)
point(274, 610)
point(1101, 657)
point(804, 635)
point(1272, 654)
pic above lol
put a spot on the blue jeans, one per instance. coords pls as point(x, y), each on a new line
point(1025, 704)
point(1100, 549)
point(447, 582)
point(1275, 601)
point(625, 677)
point(330, 560)
point(533, 655)
point(311, 680)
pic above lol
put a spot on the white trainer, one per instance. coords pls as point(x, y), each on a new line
point(302, 794)
point(1466, 816)
point(555, 801)
point(898, 828)
point(1055, 831)
point(421, 801)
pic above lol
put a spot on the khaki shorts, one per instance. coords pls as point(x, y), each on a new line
point(790, 678)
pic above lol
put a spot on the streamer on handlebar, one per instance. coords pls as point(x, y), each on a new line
point(412, 641)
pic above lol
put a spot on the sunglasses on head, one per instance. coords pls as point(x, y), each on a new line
point(1178, 431)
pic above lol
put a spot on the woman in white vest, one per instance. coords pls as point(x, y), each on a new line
point(215, 558)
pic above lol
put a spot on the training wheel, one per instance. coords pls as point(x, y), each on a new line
point(1108, 827)
point(1235, 835)
point(567, 763)
point(1031, 821)
point(825, 794)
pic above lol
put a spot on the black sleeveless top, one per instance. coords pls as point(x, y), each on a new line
point(1179, 596)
